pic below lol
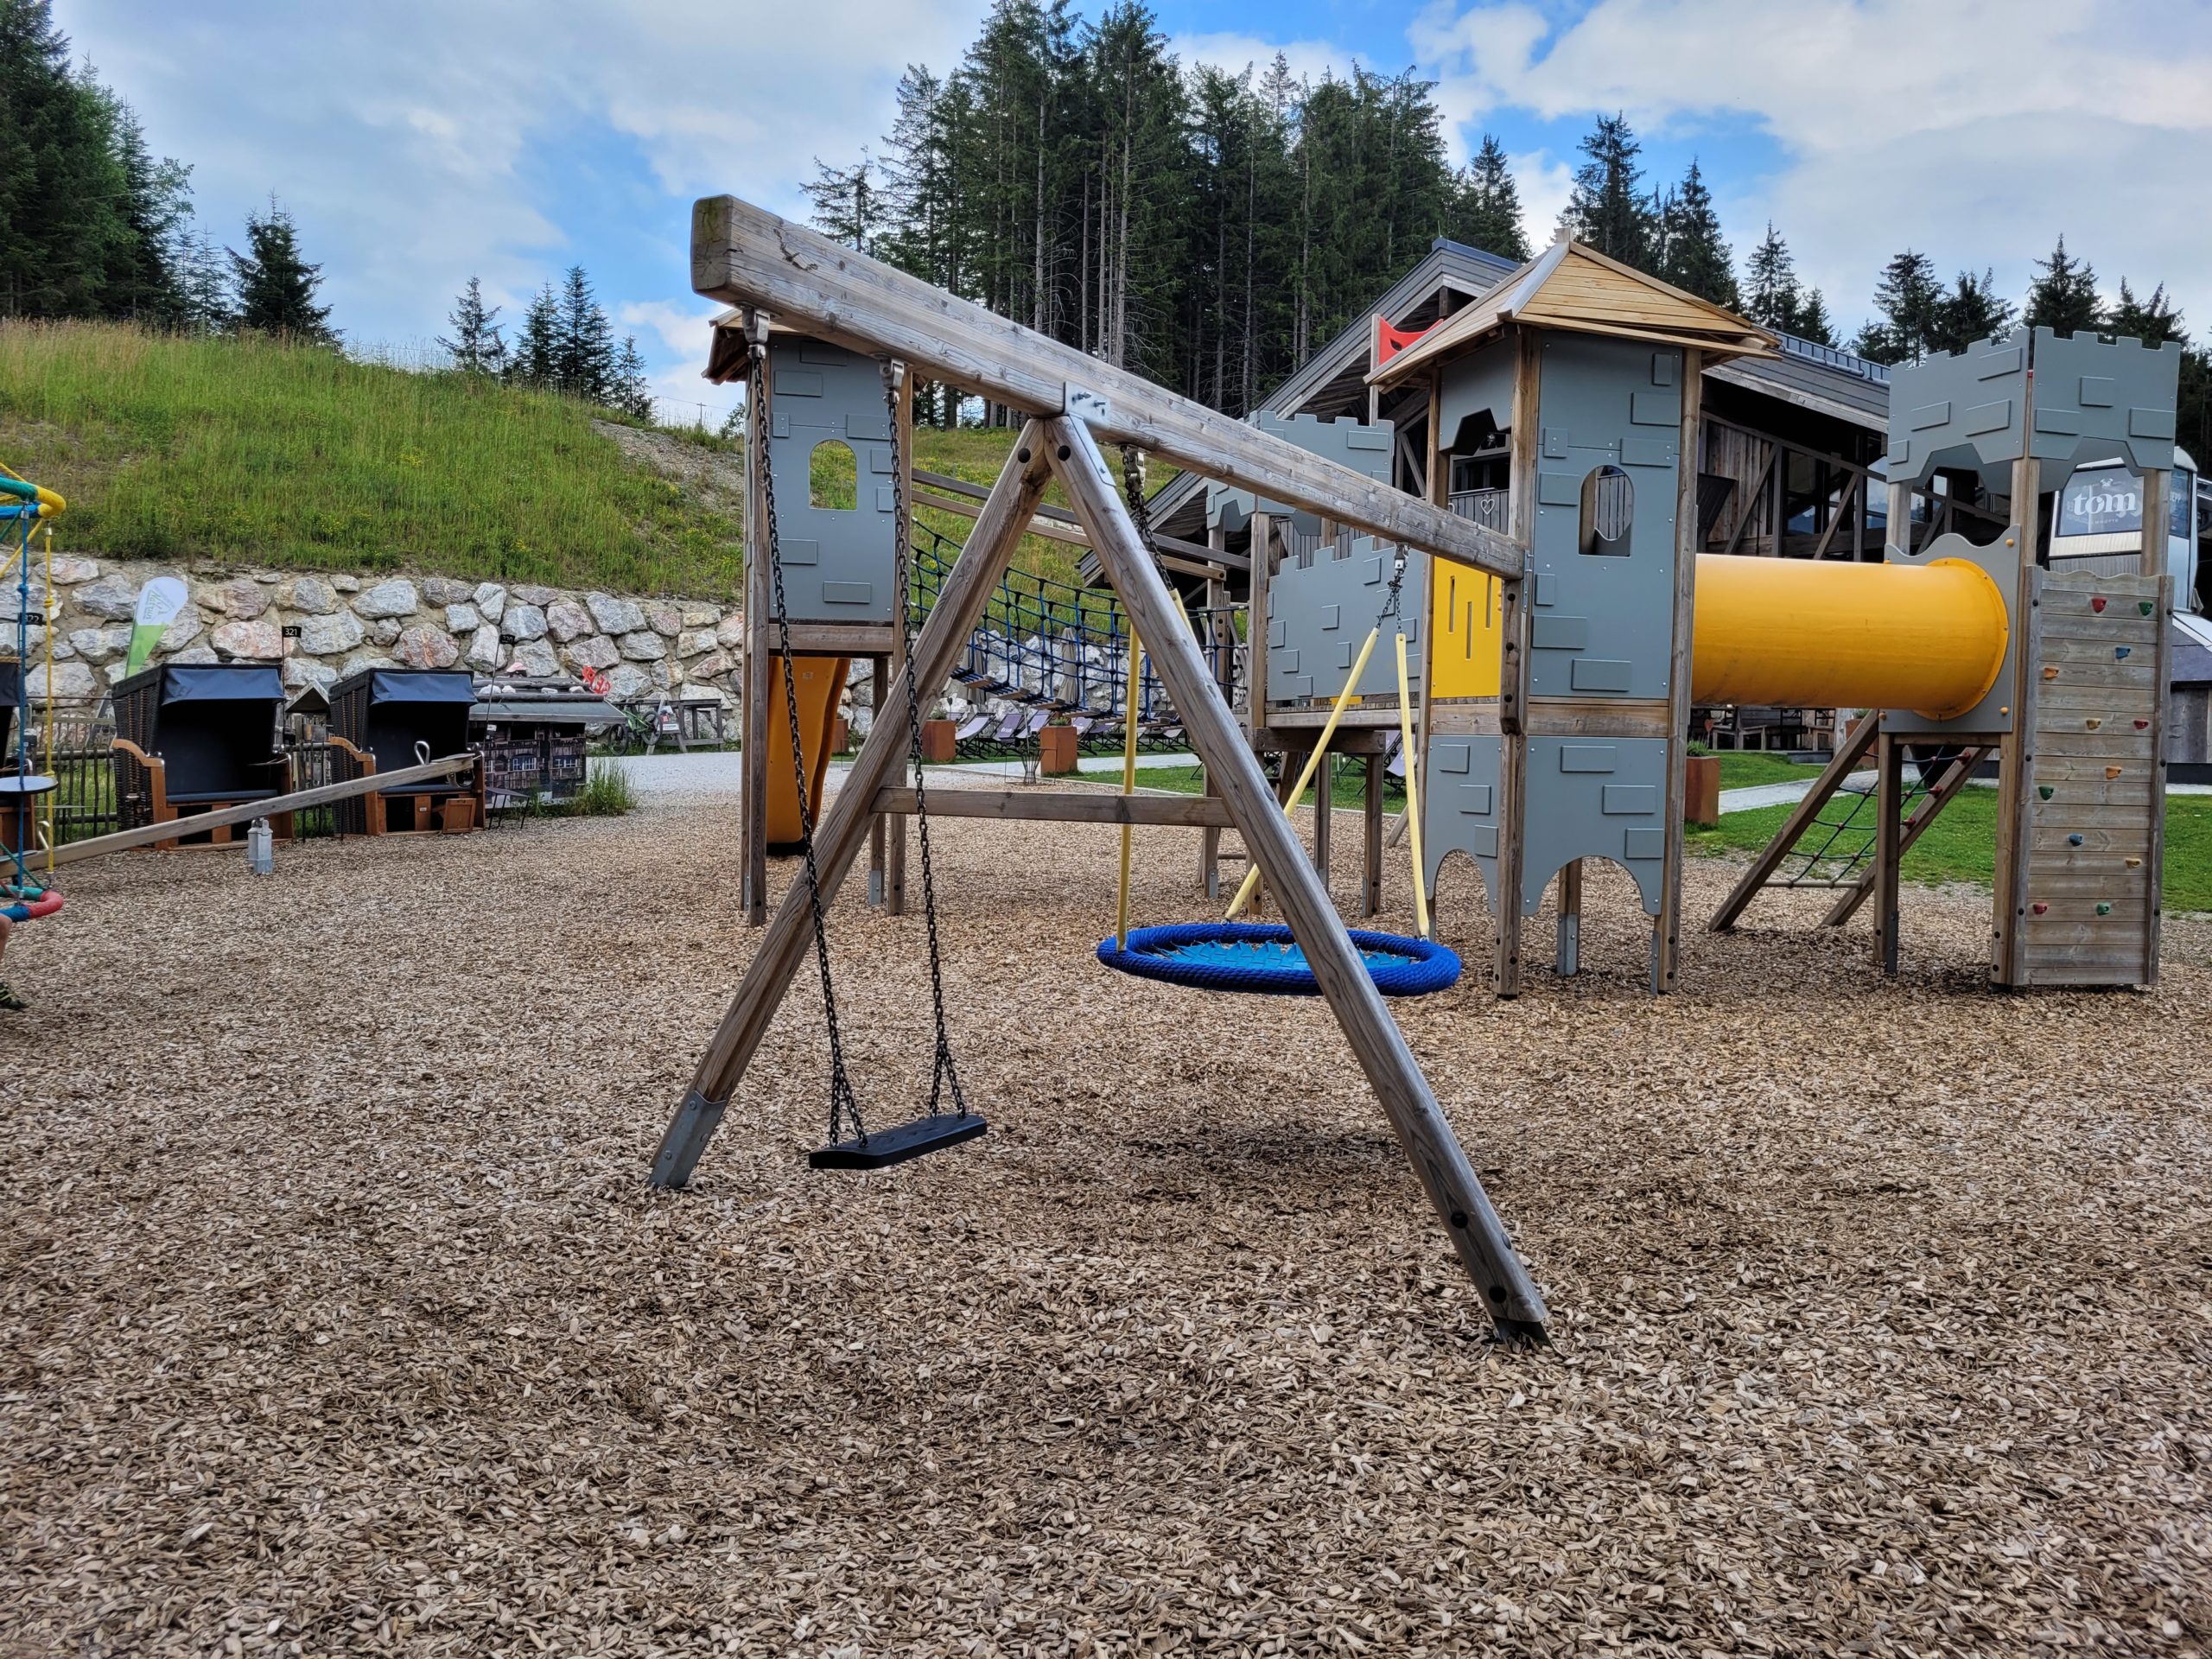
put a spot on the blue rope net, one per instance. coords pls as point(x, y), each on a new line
point(1263, 957)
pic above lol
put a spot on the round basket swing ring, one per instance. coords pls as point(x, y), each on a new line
point(1265, 958)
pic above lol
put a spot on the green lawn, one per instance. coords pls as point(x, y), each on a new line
point(1740, 769)
point(1961, 846)
point(1351, 786)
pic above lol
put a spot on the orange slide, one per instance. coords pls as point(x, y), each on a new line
point(819, 681)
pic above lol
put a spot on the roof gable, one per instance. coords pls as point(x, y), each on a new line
point(1572, 287)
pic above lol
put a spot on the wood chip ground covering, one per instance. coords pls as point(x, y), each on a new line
point(335, 1317)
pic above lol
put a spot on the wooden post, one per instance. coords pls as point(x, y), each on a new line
point(894, 828)
point(1370, 885)
point(1568, 962)
point(1525, 449)
point(1325, 791)
point(878, 678)
point(759, 648)
point(1888, 851)
point(2158, 488)
point(2016, 763)
point(1666, 928)
point(1222, 659)
point(1477, 1234)
point(960, 606)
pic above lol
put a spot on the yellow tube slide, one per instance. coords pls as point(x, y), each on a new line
point(1927, 638)
point(819, 681)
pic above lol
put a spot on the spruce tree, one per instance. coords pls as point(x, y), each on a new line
point(1608, 209)
point(1908, 298)
point(62, 189)
point(476, 346)
point(2152, 320)
point(2064, 297)
point(631, 392)
point(535, 359)
point(276, 287)
point(845, 202)
point(583, 342)
point(1697, 259)
point(1971, 311)
point(1810, 320)
point(1487, 213)
point(1769, 289)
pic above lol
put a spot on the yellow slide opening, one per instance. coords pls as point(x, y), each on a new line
point(820, 681)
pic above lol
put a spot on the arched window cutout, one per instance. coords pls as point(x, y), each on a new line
point(833, 477)
point(1608, 508)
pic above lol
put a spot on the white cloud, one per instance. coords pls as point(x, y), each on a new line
point(417, 141)
point(1544, 183)
point(1975, 130)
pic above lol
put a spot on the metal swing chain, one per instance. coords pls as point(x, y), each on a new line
point(843, 1102)
point(944, 1073)
point(1390, 600)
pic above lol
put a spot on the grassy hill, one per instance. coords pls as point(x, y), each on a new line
point(253, 452)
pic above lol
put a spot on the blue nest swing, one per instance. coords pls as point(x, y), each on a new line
point(1263, 958)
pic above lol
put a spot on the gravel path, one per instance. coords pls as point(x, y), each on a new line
point(335, 1318)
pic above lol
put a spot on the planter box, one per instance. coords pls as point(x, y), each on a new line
point(939, 742)
point(1701, 789)
point(1056, 750)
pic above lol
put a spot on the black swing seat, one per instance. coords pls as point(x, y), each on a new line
point(915, 1140)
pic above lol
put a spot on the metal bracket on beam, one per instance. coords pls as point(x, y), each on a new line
point(1081, 404)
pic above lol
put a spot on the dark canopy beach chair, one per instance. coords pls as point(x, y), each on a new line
point(195, 737)
point(385, 719)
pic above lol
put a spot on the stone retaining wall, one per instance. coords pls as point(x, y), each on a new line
point(346, 623)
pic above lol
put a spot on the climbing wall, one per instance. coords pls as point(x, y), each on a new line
point(2085, 897)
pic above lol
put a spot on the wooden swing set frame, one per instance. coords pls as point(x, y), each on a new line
point(745, 256)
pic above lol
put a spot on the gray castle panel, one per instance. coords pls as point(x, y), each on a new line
point(1602, 624)
point(1318, 616)
point(1585, 800)
point(836, 562)
point(2095, 399)
point(1458, 807)
point(1962, 411)
point(1364, 448)
point(1596, 800)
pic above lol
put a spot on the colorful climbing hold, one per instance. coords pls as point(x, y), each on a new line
point(2093, 722)
point(2045, 791)
point(2143, 608)
point(2097, 604)
point(2142, 725)
point(2134, 863)
point(2104, 909)
point(2120, 653)
point(2051, 673)
point(2074, 840)
point(2110, 772)
point(2039, 909)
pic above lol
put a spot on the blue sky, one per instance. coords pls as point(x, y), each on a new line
point(419, 141)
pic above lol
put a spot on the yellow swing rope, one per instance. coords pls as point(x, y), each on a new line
point(1312, 762)
point(1128, 783)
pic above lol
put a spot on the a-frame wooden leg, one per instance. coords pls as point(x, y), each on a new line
point(843, 829)
point(1510, 1295)
point(1888, 833)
